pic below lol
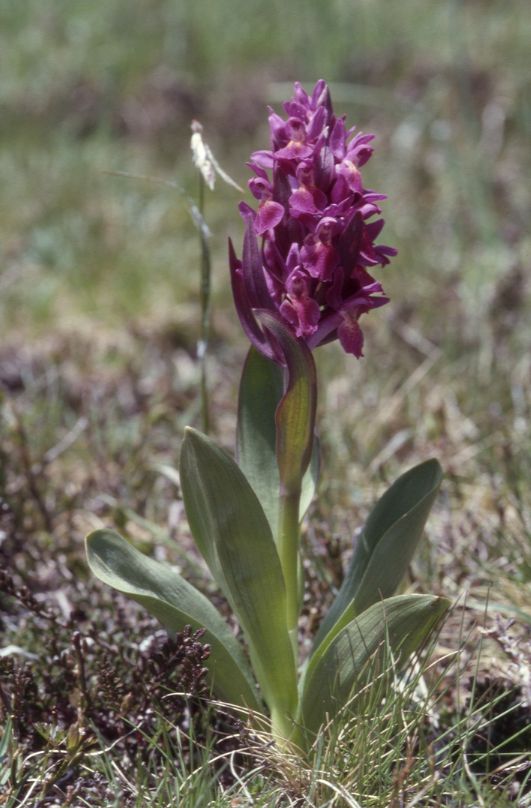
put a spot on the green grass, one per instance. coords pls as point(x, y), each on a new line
point(406, 748)
point(99, 304)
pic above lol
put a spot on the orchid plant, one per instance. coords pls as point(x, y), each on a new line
point(303, 280)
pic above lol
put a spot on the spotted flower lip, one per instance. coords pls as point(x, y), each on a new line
point(317, 225)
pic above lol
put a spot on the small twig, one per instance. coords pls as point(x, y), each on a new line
point(204, 297)
point(204, 162)
point(66, 441)
point(77, 641)
point(31, 472)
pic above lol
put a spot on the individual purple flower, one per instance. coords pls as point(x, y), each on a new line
point(317, 229)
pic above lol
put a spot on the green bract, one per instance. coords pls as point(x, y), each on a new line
point(245, 518)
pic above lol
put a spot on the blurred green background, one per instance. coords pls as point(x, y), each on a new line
point(89, 87)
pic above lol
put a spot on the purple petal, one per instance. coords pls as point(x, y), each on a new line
point(318, 121)
point(281, 187)
point(384, 253)
point(350, 241)
point(374, 229)
point(372, 196)
point(325, 169)
point(258, 169)
point(262, 158)
point(351, 336)
point(277, 127)
point(243, 307)
point(326, 331)
point(301, 95)
point(295, 150)
point(334, 295)
point(305, 201)
point(246, 211)
point(295, 109)
point(253, 271)
point(362, 300)
point(260, 188)
point(318, 259)
point(301, 310)
point(342, 192)
point(351, 175)
point(268, 216)
point(369, 210)
point(358, 149)
point(321, 96)
point(293, 260)
point(302, 314)
point(337, 139)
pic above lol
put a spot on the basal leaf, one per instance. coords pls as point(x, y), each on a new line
point(260, 392)
point(385, 547)
point(397, 626)
point(176, 603)
point(233, 533)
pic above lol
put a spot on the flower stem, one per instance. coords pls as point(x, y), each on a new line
point(205, 314)
point(288, 549)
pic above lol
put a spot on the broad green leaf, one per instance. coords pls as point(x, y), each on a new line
point(397, 626)
point(385, 547)
point(261, 389)
point(295, 414)
point(176, 603)
point(232, 532)
point(260, 392)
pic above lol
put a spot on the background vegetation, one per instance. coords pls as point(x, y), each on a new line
point(99, 310)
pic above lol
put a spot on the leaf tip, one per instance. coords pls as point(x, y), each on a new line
point(194, 435)
point(93, 537)
point(443, 604)
point(435, 467)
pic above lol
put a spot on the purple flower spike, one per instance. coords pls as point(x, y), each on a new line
point(317, 229)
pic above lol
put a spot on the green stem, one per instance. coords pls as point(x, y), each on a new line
point(282, 726)
point(288, 550)
point(204, 296)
